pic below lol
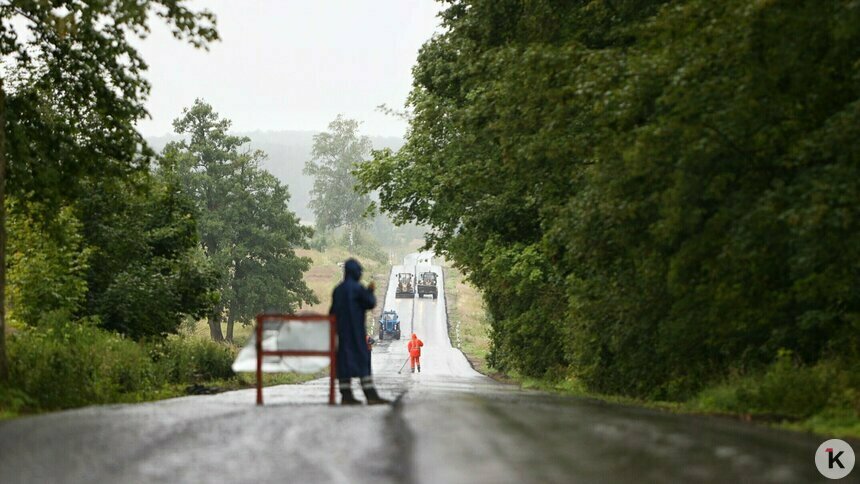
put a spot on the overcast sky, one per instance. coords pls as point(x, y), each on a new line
point(292, 64)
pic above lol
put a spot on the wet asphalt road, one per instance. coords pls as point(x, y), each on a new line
point(449, 425)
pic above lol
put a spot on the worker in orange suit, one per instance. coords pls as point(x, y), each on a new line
point(414, 348)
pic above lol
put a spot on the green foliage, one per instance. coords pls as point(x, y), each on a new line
point(47, 265)
point(786, 389)
point(336, 153)
point(74, 364)
point(76, 87)
point(134, 242)
point(647, 193)
point(13, 401)
point(147, 272)
point(65, 364)
point(192, 360)
point(72, 88)
point(245, 227)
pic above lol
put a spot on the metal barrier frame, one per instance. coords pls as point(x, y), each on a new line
point(307, 318)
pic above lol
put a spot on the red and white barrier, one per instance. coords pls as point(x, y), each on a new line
point(290, 343)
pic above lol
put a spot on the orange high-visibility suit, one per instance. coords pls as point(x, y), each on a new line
point(414, 348)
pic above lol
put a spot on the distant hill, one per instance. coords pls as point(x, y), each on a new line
point(288, 151)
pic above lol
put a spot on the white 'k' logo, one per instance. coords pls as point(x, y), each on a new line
point(834, 459)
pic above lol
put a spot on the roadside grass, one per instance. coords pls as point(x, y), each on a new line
point(824, 399)
point(466, 311)
point(834, 421)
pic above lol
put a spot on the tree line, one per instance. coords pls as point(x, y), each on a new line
point(97, 229)
point(203, 233)
point(651, 195)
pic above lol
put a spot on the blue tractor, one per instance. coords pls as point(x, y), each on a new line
point(389, 325)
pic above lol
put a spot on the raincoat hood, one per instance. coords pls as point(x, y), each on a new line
point(414, 336)
point(352, 270)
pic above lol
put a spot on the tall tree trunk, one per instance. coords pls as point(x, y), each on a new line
point(4, 368)
point(215, 328)
point(230, 322)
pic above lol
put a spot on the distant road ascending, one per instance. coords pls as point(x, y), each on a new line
point(450, 425)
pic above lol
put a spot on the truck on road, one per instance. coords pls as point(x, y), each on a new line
point(405, 287)
point(389, 325)
point(427, 284)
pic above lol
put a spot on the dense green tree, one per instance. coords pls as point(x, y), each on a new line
point(126, 255)
point(649, 194)
point(336, 154)
point(245, 226)
point(147, 272)
point(71, 90)
point(48, 263)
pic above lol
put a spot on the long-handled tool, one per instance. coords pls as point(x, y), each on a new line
point(403, 366)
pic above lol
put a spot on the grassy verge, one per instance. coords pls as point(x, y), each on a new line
point(821, 399)
point(833, 421)
point(468, 326)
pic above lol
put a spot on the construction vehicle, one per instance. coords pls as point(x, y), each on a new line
point(427, 284)
point(405, 288)
point(389, 325)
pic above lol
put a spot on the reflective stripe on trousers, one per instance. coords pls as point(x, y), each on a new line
point(367, 383)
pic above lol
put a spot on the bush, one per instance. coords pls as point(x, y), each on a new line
point(75, 364)
point(786, 389)
point(190, 360)
point(13, 401)
point(48, 263)
point(67, 365)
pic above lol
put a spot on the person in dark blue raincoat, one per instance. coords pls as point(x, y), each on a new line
point(349, 303)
